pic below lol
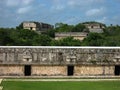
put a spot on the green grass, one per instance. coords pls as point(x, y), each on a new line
point(32, 85)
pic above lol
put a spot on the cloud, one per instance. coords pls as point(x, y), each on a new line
point(62, 4)
point(23, 10)
point(18, 2)
point(83, 2)
point(110, 20)
point(72, 20)
point(95, 12)
point(58, 7)
point(20, 6)
point(103, 20)
point(53, 11)
point(26, 2)
point(58, 4)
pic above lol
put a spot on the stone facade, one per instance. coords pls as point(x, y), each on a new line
point(93, 70)
point(36, 26)
point(76, 35)
point(59, 61)
point(49, 70)
point(95, 27)
point(11, 70)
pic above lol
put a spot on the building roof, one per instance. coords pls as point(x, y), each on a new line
point(71, 34)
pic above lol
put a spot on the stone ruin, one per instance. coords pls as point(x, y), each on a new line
point(59, 61)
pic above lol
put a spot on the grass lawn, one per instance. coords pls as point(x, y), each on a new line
point(83, 85)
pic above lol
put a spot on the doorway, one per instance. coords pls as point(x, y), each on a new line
point(27, 70)
point(31, 28)
point(70, 70)
point(117, 70)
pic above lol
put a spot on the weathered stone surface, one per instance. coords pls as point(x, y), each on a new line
point(93, 70)
point(11, 70)
point(49, 70)
point(54, 61)
point(76, 35)
point(59, 56)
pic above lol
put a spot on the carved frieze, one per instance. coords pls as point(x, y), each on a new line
point(58, 55)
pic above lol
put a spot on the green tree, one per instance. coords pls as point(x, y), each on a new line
point(94, 39)
point(5, 39)
point(20, 26)
point(42, 40)
point(60, 27)
point(79, 28)
point(50, 33)
point(23, 37)
point(69, 41)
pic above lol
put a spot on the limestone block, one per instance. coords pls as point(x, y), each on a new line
point(11, 70)
point(49, 70)
point(94, 70)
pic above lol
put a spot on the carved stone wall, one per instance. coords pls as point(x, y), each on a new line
point(59, 56)
point(54, 61)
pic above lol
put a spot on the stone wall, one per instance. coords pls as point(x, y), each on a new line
point(93, 70)
point(54, 61)
point(59, 56)
point(49, 70)
point(75, 35)
point(43, 70)
point(11, 70)
point(79, 70)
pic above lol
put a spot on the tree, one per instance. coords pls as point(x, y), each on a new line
point(42, 40)
point(94, 39)
point(5, 39)
point(20, 26)
point(50, 33)
point(69, 41)
point(79, 28)
point(24, 37)
point(60, 27)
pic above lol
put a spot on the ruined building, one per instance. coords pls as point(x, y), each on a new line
point(76, 35)
point(95, 27)
point(59, 61)
point(36, 26)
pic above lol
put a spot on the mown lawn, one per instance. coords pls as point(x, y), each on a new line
point(32, 85)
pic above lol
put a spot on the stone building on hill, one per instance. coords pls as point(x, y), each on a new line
point(36, 26)
point(59, 61)
point(76, 35)
point(95, 27)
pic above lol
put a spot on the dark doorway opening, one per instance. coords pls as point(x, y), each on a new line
point(27, 70)
point(70, 70)
point(31, 28)
point(117, 70)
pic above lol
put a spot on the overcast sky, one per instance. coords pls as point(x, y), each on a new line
point(13, 12)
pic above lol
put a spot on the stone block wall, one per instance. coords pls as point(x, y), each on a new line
point(44, 70)
point(49, 61)
point(93, 70)
point(11, 70)
point(49, 70)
